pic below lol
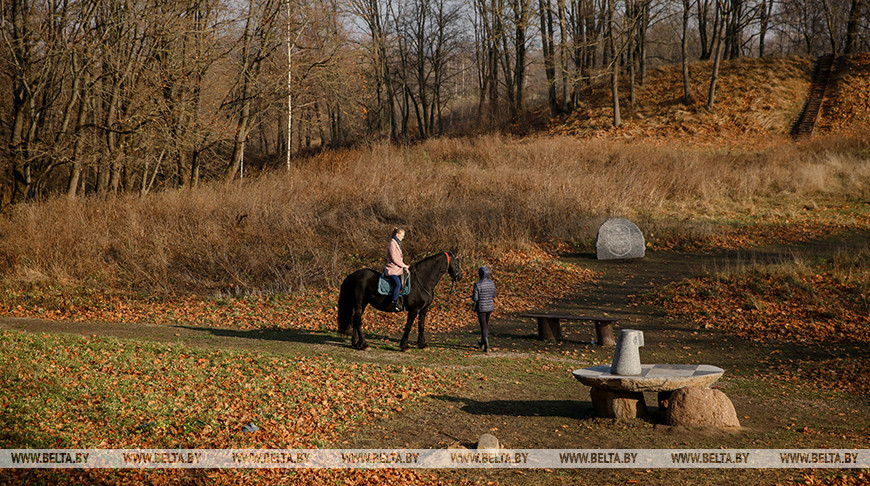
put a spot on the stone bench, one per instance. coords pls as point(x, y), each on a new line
point(621, 396)
point(550, 326)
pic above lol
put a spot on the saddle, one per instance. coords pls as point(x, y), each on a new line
point(385, 288)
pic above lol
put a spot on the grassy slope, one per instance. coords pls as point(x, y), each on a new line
point(847, 107)
point(757, 100)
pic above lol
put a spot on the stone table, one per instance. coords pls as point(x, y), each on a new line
point(621, 396)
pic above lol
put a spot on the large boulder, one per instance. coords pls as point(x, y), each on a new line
point(619, 238)
point(697, 407)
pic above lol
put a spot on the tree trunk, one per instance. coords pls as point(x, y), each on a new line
point(237, 159)
point(78, 146)
point(852, 27)
point(641, 40)
point(521, 18)
point(630, 21)
point(563, 54)
point(496, 33)
point(684, 52)
point(21, 99)
point(830, 21)
point(717, 57)
point(765, 8)
point(703, 12)
point(614, 70)
point(549, 64)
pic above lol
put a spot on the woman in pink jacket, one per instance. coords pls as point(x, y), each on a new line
point(395, 265)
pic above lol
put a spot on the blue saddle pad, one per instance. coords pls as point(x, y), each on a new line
point(384, 286)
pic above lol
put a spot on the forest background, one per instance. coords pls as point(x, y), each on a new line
point(103, 97)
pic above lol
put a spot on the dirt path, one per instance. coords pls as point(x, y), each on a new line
point(622, 281)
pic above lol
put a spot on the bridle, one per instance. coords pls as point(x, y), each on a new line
point(452, 277)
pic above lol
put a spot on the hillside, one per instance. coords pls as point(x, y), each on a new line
point(756, 99)
point(847, 104)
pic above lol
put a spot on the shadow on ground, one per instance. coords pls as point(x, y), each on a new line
point(272, 334)
point(522, 408)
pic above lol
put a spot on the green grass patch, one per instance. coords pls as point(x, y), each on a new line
point(73, 392)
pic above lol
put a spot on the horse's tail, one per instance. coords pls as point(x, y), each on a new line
point(345, 308)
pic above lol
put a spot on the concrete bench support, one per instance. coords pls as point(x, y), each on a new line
point(550, 326)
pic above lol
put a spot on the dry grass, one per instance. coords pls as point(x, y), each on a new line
point(694, 172)
point(478, 196)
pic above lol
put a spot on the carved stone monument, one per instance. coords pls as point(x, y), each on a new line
point(619, 239)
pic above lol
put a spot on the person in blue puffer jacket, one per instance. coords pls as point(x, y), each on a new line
point(482, 295)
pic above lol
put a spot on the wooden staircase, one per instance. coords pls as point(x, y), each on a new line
point(806, 122)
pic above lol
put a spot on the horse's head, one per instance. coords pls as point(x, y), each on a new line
point(453, 267)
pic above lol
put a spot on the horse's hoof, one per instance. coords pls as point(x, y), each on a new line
point(423, 346)
point(404, 348)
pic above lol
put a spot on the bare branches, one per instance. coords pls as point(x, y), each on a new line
point(105, 96)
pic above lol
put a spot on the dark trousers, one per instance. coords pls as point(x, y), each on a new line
point(396, 282)
point(483, 319)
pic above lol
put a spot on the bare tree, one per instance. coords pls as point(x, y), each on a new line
point(487, 34)
point(30, 72)
point(514, 21)
point(614, 63)
point(704, 19)
point(857, 10)
point(545, 13)
point(375, 15)
point(765, 11)
point(260, 38)
point(563, 54)
point(717, 52)
point(684, 52)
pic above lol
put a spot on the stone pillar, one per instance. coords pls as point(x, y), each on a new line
point(623, 406)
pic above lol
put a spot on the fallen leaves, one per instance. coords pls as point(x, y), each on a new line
point(847, 101)
point(756, 99)
point(758, 307)
point(817, 305)
point(73, 392)
point(819, 478)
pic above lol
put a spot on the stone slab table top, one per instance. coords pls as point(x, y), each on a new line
point(652, 378)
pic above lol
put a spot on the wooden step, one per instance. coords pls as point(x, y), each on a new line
point(815, 97)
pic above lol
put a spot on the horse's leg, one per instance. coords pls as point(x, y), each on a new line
point(355, 331)
point(358, 340)
point(412, 314)
point(421, 334)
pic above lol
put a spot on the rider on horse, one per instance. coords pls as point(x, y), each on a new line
point(395, 266)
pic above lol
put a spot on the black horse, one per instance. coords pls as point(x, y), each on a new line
point(359, 290)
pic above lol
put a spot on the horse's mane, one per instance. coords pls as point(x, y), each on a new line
point(428, 258)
